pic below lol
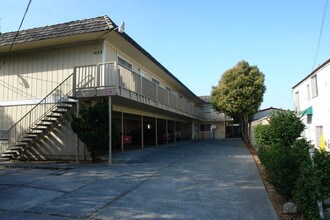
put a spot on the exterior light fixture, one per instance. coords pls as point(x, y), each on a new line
point(121, 28)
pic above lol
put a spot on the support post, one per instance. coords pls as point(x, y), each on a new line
point(74, 82)
point(174, 130)
point(77, 156)
point(142, 137)
point(110, 130)
point(166, 131)
point(156, 131)
point(122, 132)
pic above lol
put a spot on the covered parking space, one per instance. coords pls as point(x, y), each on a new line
point(139, 131)
point(146, 126)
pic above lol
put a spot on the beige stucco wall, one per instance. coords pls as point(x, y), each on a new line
point(219, 132)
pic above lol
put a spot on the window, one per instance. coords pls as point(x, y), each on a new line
point(314, 86)
point(124, 63)
point(205, 127)
point(309, 119)
point(207, 109)
point(308, 93)
point(155, 81)
point(297, 103)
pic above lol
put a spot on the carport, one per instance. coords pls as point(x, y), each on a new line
point(140, 131)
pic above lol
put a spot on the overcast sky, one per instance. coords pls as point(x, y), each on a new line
point(197, 40)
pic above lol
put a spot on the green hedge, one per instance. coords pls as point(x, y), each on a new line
point(288, 164)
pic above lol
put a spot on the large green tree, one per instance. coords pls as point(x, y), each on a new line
point(239, 93)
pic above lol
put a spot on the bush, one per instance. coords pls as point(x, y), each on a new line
point(92, 128)
point(282, 164)
point(313, 184)
point(288, 164)
point(280, 151)
point(285, 127)
point(305, 193)
point(262, 135)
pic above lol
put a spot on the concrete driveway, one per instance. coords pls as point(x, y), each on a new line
point(212, 179)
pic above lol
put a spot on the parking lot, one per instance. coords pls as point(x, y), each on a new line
point(209, 179)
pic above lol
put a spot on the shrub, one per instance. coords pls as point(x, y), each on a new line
point(92, 127)
point(305, 193)
point(322, 172)
point(313, 184)
point(262, 135)
point(282, 164)
point(280, 151)
point(285, 127)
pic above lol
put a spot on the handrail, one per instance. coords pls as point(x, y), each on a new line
point(33, 116)
point(42, 100)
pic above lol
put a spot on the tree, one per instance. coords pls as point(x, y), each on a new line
point(239, 93)
point(92, 128)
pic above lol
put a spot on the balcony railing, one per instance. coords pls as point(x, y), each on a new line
point(113, 79)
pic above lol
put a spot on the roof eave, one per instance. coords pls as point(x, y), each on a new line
point(312, 73)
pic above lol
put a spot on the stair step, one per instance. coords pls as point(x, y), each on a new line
point(4, 159)
point(72, 97)
point(17, 148)
point(20, 144)
point(35, 133)
point(25, 141)
point(48, 120)
point(12, 151)
point(59, 111)
point(64, 107)
point(39, 129)
point(29, 136)
point(53, 116)
point(8, 154)
point(69, 102)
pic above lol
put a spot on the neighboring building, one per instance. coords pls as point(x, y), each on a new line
point(311, 100)
point(50, 69)
point(214, 124)
point(259, 118)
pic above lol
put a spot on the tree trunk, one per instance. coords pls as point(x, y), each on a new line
point(245, 129)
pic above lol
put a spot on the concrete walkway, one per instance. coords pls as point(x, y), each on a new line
point(189, 180)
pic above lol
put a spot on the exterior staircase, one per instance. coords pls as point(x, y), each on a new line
point(40, 120)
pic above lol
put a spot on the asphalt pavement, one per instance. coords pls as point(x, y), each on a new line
point(209, 179)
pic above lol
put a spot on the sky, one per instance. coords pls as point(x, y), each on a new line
point(198, 40)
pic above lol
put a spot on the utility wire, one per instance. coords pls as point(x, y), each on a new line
point(19, 28)
point(320, 34)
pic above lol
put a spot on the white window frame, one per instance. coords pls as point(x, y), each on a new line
point(308, 92)
point(314, 86)
point(155, 81)
point(297, 101)
point(125, 63)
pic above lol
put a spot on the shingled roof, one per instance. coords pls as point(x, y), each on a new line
point(102, 23)
point(98, 24)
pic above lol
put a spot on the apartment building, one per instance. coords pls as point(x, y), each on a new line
point(214, 124)
point(312, 102)
point(49, 72)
